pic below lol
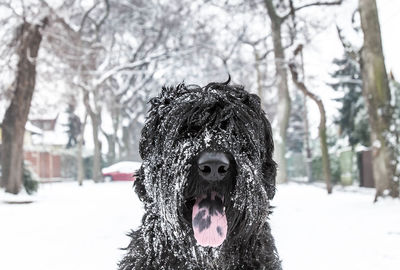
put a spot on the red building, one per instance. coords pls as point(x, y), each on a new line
point(45, 164)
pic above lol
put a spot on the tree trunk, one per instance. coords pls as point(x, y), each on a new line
point(127, 141)
point(376, 93)
point(97, 176)
point(259, 76)
point(307, 142)
point(306, 125)
point(322, 127)
point(111, 140)
point(13, 127)
point(79, 158)
point(284, 103)
point(95, 117)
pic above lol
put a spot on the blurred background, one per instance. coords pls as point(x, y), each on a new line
point(75, 80)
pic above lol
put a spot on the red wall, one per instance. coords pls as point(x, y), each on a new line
point(45, 164)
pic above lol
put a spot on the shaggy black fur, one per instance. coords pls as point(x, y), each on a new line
point(183, 122)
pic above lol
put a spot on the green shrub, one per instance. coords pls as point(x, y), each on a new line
point(30, 179)
point(88, 166)
point(317, 171)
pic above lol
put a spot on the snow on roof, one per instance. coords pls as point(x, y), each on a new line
point(52, 138)
point(32, 128)
point(58, 136)
point(44, 116)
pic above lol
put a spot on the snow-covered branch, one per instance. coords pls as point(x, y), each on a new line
point(128, 66)
point(319, 3)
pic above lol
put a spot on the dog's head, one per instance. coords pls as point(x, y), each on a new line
point(207, 162)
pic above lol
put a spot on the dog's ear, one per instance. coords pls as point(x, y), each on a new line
point(268, 164)
point(148, 136)
point(139, 186)
point(265, 133)
point(150, 132)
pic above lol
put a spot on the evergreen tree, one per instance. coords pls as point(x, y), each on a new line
point(296, 130)
point(353, 118)
point(29, 179)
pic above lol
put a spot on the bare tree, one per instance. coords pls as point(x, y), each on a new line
point(93, 53)
point(283, 111)
point(322, 123)
point(284, 102)
point(28, 39)
point(377, 95)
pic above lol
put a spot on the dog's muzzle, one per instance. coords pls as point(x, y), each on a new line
point(209, 221)
point(213, 166)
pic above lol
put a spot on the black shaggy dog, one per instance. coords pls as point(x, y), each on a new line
point(206, 181)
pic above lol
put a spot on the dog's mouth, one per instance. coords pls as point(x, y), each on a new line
point(206, 204)
point(209, 221)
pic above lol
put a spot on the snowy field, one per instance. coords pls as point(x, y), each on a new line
point(68, 227)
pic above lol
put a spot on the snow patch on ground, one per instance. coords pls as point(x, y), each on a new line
point(22, 198)
point(71, 227)
point(345, 230)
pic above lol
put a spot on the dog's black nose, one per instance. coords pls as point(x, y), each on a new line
point(213, 166)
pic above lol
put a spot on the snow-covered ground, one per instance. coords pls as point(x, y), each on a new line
point(70, 227)
point(345, 230)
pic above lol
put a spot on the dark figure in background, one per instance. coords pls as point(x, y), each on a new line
point(74, 127)
point(206, 182)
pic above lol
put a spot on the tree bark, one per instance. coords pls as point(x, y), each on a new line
point(95, 117)
point(284, 102)
point(376, 93)
point(306, 124)
point(111, 140)
point(127, 142)
point(322, 126)
point(97, 176)
point(79, 158)
point(259, 75)
point(13, 127)
point(308, 153)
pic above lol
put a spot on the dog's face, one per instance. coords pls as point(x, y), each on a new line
point(208, 172)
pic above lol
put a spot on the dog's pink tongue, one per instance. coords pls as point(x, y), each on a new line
point(209, 220)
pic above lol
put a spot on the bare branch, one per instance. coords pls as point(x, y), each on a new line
point(256, 42)
point(139, 49)
point(143, 83)
point(322, 122)
point(102, 20)
point(275, 18)
point(132, 65)
point(347, 46)
point(234, 45)
point(86, 15)
point(319, 3)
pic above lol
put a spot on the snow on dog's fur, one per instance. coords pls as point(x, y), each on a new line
point(183, 122)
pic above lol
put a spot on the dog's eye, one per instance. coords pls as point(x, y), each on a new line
point(194, 129)
point(190, 130)
point(224, 125)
